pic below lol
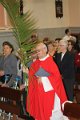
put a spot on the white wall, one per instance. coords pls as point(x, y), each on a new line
point(44, 13)
point(74, 10)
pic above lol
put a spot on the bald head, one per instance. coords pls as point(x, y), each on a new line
point(41, 49)
point(41, 45)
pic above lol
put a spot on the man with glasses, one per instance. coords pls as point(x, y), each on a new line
point(65, 62)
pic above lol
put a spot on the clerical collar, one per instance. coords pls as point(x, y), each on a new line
point(42, 59)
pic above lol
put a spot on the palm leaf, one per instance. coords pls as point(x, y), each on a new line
point(23, 25)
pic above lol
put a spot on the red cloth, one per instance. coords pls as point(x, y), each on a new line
point(77, 60)
point(40, 103)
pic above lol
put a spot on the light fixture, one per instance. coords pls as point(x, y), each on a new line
point(59, 8)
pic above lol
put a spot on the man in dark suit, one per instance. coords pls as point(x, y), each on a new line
point(65, 62)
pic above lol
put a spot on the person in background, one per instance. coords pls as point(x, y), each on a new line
point(77, 66)
point(34, 37)
point(68, 36)
point(71, 45)
point(8, 64)
point(77, 59)
point(56, 46)
point(46, 93)
point(51, 48)
point(65, 62)
point(46, 40)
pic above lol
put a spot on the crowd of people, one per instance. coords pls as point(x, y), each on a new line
point(51, 75)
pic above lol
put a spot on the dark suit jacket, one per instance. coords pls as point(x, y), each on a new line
point(66, 66)
point(67, 70)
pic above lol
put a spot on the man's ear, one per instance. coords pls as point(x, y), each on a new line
point(46, 48)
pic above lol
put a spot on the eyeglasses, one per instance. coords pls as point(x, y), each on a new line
point(61, 45)
point(38, 50)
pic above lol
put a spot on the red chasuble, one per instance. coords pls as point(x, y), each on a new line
point(40, 103)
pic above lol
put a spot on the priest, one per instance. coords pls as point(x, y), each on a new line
point(46, 94)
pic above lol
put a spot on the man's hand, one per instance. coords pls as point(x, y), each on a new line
point(39, 80)
point(22, 86)
point(4, 85)
point(25, 69)
point(1, 72)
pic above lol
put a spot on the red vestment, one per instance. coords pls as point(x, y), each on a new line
point(40, 103)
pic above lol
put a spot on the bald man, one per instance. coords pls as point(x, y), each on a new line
point(46, 93)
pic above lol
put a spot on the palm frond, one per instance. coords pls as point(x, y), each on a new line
point(23, 25)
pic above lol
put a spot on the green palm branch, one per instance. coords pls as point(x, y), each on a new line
point(22, 25)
